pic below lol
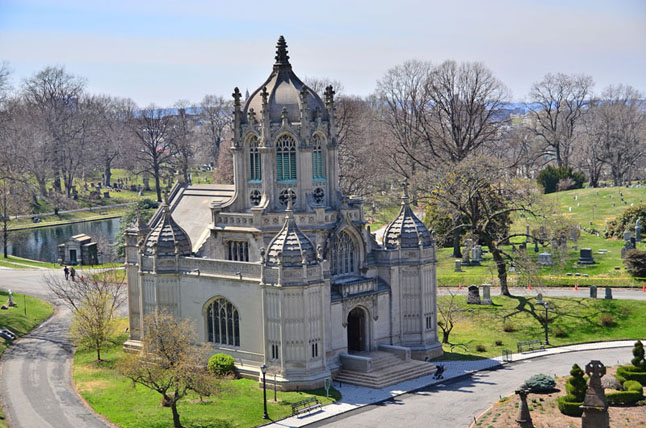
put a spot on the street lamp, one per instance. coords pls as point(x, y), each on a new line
point(547, 305)
point(263, 368)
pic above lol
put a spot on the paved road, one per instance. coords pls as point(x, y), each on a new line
point(456, 403)
point(36, 385)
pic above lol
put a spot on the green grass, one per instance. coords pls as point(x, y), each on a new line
point(240, 404)
point(578, 318)
point(53, 220)
point(22, 263)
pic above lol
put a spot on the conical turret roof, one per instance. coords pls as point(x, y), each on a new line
point(290, 247)
point(407, 231)
point(167, 237)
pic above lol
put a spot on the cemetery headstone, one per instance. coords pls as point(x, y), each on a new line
point(545, 259)
point(473, 298)
point(585, 256)
point(627, 235)
point(593, 292)
point(476, 255)
point(595, 404)
point(535, 246)
point(106, 195)
point(539, 299)
point(11, 303)
point(458, 266)
point(638, 231)
point(608, 293)
point(486, 294)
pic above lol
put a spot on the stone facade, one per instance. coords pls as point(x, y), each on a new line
point(281, 269)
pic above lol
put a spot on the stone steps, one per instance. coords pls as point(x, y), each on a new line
point(387, 369)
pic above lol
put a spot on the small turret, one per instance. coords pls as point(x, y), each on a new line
point(406, 230)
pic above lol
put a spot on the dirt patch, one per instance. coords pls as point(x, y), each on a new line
point(91, 385)
point(545, 412)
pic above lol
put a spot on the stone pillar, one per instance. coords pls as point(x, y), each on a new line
point(486, 294)
point(524, 419)
point(595, 405)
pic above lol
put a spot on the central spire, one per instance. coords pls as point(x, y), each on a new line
point(282, 59)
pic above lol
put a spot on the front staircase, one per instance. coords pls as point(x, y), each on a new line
point(386, 369)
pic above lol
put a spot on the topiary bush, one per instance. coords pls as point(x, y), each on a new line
point(540, 383)
point(568, 407)
point(576, 388)
point(630, 372)
point(550, 177)
point(624, 398)
point(221, 365)
point(638, 354)
point(635, 262)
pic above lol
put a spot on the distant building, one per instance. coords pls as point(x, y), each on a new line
point(281, 269)
point(79, 250)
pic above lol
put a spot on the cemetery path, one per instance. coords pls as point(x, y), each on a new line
point(36, 384)
point(454, 404)
point(617, 293)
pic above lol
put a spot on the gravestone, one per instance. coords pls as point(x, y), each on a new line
point(458, 266)
point(585, 257)
point(524, 419)
point(486, 294)
point(473, 298)
point(539, 299)
point(638, 231)
point(522, 246)
point(593, 292)
point(595, 404)
point(476, 255)
point(627, 235)
point(535, 246)
point(466, 258)
point(545, 259)
point(608, 293)
point(11, 303)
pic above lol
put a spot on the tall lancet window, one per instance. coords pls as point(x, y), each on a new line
point(318, 166)
point(223, 323)
point(344, 255)
point(254, 160)
point(286, 158)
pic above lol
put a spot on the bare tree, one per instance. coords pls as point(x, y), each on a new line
point(618, 127)
point(152, 130)
point(94, 300)
point(183, 138)
point(215, 120)
point(557, 104)
point(170, 363)
point(450, 312)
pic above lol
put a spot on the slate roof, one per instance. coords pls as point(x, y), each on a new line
point(290, 246)
point(407, 230)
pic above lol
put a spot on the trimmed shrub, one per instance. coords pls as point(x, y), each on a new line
point(638, 354)
point(635, 261)
point(627, 373)
point(221, 364)
point(606, 320)
point(569, 407)
point(576, 385)
point(559, 332)
point(623, 398)
point(508, 326)
point(498, 342)
point(550, 178)
point(540, 383)
point(633, 385)
point(481, 348)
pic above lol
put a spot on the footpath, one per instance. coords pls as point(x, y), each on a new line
point(355, 397)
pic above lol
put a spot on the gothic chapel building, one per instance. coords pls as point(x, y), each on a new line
point(280, 268)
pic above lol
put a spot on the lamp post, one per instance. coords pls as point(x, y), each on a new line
point(263, 368)
point(547, 305)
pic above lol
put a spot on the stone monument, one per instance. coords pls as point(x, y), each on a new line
point(11, 303)
point(476, 255)
point(486, 294)
point(539, 299)
point(473, 298)
point(638, 231)
point(608, 293)
point(458, 266)
point(595, 404)
point(593, 291)
point(524, 419)
point(585, 257)
point(545, 259)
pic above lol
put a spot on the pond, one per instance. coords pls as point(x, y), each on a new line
point(40, 244)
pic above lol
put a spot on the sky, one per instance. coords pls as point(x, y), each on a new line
point(164, 51)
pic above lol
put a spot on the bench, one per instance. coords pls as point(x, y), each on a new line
point(306, 405)
point(530, 345)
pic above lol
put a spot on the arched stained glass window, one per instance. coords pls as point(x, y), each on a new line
point(223, 323)
point(318, 165)
point(254, 160)
point(286, 158)
point(344, 255)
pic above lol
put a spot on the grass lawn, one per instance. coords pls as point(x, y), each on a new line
point(65, 218)
point(579, 320)
point(239, 405)
point(15, 320)
point(22, 263)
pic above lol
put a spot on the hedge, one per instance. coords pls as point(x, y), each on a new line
point(569, 407)
point(630, 372)
point(623, 398)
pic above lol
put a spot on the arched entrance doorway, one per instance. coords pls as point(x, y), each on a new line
point(357, 330)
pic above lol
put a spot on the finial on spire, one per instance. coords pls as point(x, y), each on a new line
point(329, 95)
point(236, 96)
point(289, 201)
point(405, 193)
point(264, 94)
point(281, 52)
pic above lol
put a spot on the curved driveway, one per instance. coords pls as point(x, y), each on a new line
point(36, 384)
point(454, 404)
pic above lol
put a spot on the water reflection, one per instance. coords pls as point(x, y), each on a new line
point(41, 243)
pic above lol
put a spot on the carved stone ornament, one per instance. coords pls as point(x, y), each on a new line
point(368, 302)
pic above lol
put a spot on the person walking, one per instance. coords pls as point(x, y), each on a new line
point(67, 273)
point(73, 274)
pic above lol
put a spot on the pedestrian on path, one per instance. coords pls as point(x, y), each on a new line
point(73, 274)
point(67, 273)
